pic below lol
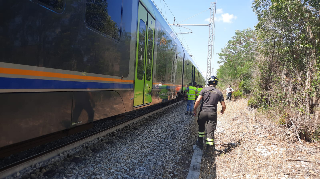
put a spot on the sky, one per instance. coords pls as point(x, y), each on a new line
point(231, 15)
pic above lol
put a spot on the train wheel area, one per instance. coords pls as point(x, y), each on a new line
point(158, 146)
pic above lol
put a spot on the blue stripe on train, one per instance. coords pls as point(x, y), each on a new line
point(23, 83)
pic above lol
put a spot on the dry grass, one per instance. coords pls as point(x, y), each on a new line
point(252, 146)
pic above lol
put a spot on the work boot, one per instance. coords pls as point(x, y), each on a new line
point(186, 113)
point(209, 152)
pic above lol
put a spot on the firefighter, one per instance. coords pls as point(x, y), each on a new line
point(207, 117)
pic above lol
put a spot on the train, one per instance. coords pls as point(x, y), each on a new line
point(66, 63)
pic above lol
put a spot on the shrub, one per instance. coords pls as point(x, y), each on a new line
point(316, 134)
point(253, 102)
point(283, 119)
point(237, 94)
point(245, 86)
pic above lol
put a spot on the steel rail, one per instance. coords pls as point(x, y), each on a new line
point(52, 153)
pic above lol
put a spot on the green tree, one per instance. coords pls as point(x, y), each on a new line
point(237, 61)
point(288, 81)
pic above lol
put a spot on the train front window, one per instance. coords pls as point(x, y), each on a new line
point(149, 54)
point(104, 16)
point(141, 47)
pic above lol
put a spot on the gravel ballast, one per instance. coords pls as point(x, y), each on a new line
point(160, 146)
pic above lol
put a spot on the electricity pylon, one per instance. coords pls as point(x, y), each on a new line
point(211, 39)
point(211, 36)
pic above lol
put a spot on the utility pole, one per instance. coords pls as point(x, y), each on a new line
point(211, 36)
point(211, 39)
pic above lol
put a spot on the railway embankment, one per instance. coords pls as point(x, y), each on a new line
point(249, 145)
point(158, 146)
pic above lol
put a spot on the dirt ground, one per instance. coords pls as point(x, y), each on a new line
point(248, 145)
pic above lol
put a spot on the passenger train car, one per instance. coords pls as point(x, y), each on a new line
point(65, 63)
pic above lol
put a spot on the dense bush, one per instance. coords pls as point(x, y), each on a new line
point(237, 94)
point(237, 62)
point(278, 63)
point(288, 59)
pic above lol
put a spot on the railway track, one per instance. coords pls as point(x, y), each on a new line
point(17, 162)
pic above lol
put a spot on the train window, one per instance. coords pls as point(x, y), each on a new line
point(149, 54)
point(104, 16)
point(141, 47)
point(56, 5)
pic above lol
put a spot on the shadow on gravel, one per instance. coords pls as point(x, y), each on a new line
point(208, 163)
point(228, 147)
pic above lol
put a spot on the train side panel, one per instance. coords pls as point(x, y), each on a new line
point(58, 68)
point(66, 63)
point(28, 115)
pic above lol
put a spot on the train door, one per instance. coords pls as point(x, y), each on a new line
point(149, 60)
point(144, 57)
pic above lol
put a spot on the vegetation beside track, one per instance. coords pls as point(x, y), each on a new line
point(278, 64)
point(249, 145)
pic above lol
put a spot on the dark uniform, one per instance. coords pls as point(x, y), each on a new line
point(207, 118)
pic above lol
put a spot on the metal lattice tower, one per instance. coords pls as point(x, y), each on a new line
point(211, 36)
point(211, 39)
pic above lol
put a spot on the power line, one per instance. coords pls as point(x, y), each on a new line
point(168, 7)
point(181, 40)
point(211, 33)
point(194, 15)
point(211, 37)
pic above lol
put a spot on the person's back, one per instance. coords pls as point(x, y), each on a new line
point(191, 94)
point(207, 118)
point(210, 96)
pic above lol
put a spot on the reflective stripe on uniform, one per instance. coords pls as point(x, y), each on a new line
point(201, 134)
point(210, 141)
